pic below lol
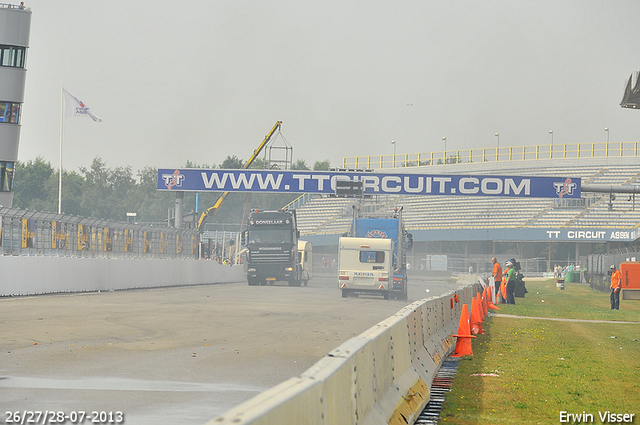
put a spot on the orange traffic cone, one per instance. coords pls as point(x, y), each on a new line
point(476, 317)
point(479, 307)
point(483, 303)
point(463, 344)
point(490, 304)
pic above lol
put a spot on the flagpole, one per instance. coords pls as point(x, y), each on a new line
point(61, 138)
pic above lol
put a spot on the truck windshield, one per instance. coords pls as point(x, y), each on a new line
point(270, 236)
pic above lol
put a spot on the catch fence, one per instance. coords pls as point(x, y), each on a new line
point(599, 267)
point(33, 233)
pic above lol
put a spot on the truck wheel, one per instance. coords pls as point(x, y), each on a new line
point(345, 293)
point(386, 295)
point(294, 282)
point(253, 282)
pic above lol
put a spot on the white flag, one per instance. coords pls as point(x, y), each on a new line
point(77, 108)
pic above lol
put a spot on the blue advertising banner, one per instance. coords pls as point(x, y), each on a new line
point(507, 234)
point(324, 182)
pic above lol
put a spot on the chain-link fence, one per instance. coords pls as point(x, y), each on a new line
point(456, 263)
point(24, 232)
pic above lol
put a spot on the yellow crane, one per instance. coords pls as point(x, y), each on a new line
point(211, 211)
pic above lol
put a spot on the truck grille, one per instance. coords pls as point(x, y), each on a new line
point(262, 257)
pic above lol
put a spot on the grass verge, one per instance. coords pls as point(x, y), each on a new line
point(546, 367)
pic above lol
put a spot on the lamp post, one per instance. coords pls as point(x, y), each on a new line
point(551, 133)
point(393, 142)
point(445, 149)
point(607, 130)
point(498, 148)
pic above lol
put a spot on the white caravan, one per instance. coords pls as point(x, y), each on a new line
point(365, 266)
point(305, 258)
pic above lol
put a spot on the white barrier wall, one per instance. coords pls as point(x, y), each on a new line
point(380, 376)
point(41, 275)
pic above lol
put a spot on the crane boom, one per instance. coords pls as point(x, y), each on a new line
point(211, 211)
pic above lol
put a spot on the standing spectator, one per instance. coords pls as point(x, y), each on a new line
point(497, 274)
point(616, 286)
point(511, 282)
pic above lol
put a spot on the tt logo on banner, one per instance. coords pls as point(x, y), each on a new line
point(565, 188)
point(173, 180)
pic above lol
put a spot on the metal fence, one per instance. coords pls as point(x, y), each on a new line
point(497, 154)
point(598, 267)
point(30, 233)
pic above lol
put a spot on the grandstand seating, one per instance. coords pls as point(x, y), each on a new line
point(330, 215)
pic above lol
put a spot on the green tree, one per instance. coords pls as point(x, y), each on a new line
point(29, 188)
point(259, 164)
point(231, 163)
point(72, 191)
point(97, 194)
point(300, 164)
point(151, 204)
point(322, 165)
point(104, 193)
point(190, 164)
point(107, 193)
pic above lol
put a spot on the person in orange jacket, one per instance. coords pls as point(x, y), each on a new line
point(497, 274)
point(616, 286)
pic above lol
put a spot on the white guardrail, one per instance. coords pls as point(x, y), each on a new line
point(382, 376)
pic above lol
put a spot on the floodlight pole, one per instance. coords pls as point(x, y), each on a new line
point(445, 149)
point(61, 138)
point(393, 142)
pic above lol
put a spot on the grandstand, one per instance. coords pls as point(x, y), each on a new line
point(466, 219)
point(330, 215)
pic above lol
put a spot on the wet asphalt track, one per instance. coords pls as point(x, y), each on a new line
point(179, 355)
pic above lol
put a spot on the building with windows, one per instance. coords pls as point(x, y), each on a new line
point(15, 26)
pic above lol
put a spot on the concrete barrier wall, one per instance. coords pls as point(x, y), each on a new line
point(41, 275)
point(381, 376)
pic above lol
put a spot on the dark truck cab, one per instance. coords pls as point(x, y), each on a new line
point(272, 244)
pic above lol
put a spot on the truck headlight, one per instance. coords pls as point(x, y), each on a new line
point(251, 269)
point(289, 269)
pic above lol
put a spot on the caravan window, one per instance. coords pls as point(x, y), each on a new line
point(372, 256)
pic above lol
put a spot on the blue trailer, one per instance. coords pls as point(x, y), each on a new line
point(390, 226)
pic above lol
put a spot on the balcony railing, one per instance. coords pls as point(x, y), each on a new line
point(514, 153)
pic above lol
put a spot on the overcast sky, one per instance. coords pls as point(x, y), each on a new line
point(201, 80)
